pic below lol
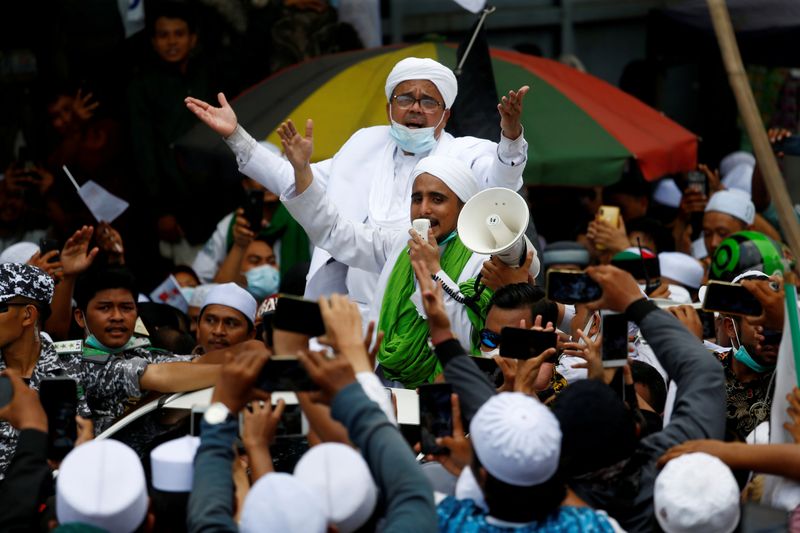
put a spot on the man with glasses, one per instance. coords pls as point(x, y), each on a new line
point(369, 178)
point(25, 296)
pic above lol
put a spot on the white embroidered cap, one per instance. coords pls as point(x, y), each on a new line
point(232, 295)
point(416, 68)
point(172, 464)
point(280, 502)
point(667, 193)
point(682, 268)
point(733, 202)
point(453, 172)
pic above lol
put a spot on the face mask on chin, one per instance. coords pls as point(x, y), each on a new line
point(413, 140)
point(743, 356)
point(95, 343)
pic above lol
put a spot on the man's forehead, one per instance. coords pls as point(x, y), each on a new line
point(720, 219)
point(223, 311)
point(425, 86)
point(428, 183)
point(113, 295)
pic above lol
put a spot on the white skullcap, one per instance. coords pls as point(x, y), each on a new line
point(279, 502)
point(517, 439)
point(199, 294)
point(749, 274)
point(101, 483)
point(232, 295)
point(682, 268)
point(699, 249)
point(679, 294)
point(342, 482)
point(735, 159)
point(453, 172)
point(667, 193)
point(740, 178)
point(735, 203)
point(172, 464)
point(19, 253)
point(416, 68)
point(696, 493)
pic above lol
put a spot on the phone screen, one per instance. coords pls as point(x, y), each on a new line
point(647, 268)
point(569, 287)
point(435, 416)
point(298, 315)
point(730, 299)
point(488, 366)
point(291, 422)
point(709, 325)
point(194, 422)
point(519, 343)
point(254, 209)
point(59, 397)
point(284, 373)
point(615, 339)
point(48, 245)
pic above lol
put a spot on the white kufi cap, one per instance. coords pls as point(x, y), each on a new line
point(695, 493)
point(736, 159)
point(667, 193)
point(682, 268)
point(199, 294)
point(343, 484)
point(517, 439)
point(453, 172)
point(232, 295)
point(19, 253)
point(733, 202)
point(172, 464)
point(280, 502)
point(101, 483)
point(416, 68)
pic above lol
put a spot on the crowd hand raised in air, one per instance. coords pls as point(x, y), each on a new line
point(459, 448)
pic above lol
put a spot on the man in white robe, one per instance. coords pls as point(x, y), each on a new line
point(369, 178)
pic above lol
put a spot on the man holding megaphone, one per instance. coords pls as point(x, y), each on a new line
point(441, 186)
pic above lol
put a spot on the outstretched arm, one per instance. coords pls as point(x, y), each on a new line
point(221, 119)
point(510, 108)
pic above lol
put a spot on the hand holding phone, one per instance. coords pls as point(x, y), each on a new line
point(570, 287)
point(48, 245)
point(296, 314)
point(284, 373)
point(254, 209)
point(520, 343)
point(435, 416)
point(731, 299)
point(615, 340)
point(59, 397)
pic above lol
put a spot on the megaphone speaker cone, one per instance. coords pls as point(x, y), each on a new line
point(493, 221)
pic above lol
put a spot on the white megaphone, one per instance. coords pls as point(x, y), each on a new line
point(493, 222)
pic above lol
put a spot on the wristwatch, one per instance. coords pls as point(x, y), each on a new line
point(216, 413)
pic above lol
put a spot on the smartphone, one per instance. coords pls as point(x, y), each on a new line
point(6, 391)
point(610, 214)
point(48, 245)
point(789, 145)
point(614, 327)
point(519, 343)
point(646, 268)
point(696, 181)
point(709, 324)
point(293, 422)
point(196, 418)
point(254, 209)
point(730, 299)
point(59, 397)
point(293, 313)
point(284, 373)
point(488, 366)
point(570, 287)
point(435, 416)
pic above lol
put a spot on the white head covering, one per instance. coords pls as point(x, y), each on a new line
point(101, 483)
point(733, 202)
point(415, 68)
point(19, 253)
point(453, 172)
point(517, 439)
point(172, 464)
point(736, 159)
point(682, 268)
point(667, 193)
point(232, 295)
point(740, 178)
point(280, 502)
point(696, 493)
point(340, 477)
point(699, 249)
point(199, 294)
point(679, 294)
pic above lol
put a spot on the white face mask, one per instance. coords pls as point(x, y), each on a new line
point(413, 140)
point(491, 353)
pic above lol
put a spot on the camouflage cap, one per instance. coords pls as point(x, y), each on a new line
point(18, 279)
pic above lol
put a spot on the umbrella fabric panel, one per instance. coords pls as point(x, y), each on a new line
point(660, 145)
point(351, 99)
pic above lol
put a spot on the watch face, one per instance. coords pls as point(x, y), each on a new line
point(216, 413)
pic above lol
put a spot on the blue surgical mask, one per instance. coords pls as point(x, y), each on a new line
point(92, 341)
point(187, 293)
point(744, 357)
point(414, 140)
point(263, 281)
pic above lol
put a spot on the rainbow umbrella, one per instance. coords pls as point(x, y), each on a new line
point(580, 129)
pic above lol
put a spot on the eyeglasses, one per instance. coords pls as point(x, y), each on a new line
point(406, 101)
point(490, 339)
point(5, 305)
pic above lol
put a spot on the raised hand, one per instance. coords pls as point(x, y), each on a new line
point(425, 251)
point(619, 288)
point(510, 108)
point(432, 301)
point(298, 148)
point(243, 235)
point(495, 273)
point(83, 106)
point(110, 241)
point(589, 351)
point(43, 262)
point(76, 257)
point(343, 330)
point(459, 448)
point(771, 296)
point(221, 119)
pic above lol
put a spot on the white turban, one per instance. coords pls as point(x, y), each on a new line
point(733, 202)
point(233, 296)
point(280, 502)
point(682, 268)
point(415, 68)
point(453, 172)
point(667, 193)
point(19, 253)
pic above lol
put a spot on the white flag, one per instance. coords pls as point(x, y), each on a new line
point(169, 292)
point(132, 14)
point(475, 6)
point(105, 207)
point(780, 492)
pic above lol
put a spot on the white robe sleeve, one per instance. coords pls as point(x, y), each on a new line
point(496, 164)
point(270, 170)
point(353, 243)
point(209, 259)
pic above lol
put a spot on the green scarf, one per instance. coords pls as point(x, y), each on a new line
point(294, 241)
point(404, 354)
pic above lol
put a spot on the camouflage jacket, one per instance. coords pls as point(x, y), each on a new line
point(50, 364)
